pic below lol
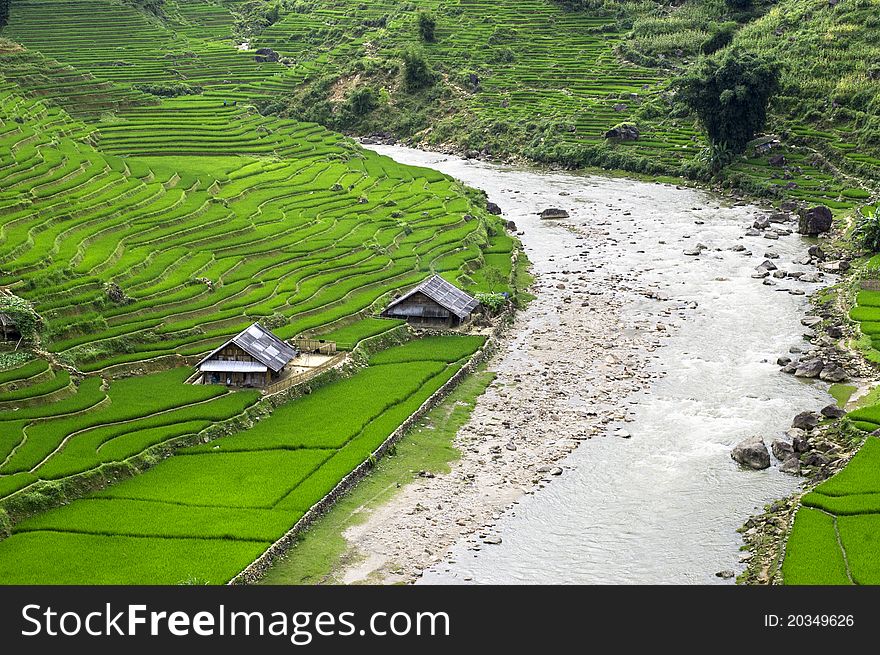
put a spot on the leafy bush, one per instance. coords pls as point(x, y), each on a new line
point(427, 25)
point(416, 72)
point(722, 35)
point(169, 89)
point(363, 100)
point(730, 96)
point(868, 229)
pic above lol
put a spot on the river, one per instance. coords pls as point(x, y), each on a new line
point(662, 504)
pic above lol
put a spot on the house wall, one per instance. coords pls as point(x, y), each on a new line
point(420, 310)
point(232, 353)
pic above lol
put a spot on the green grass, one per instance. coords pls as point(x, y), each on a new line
point(860, 476)
point(230, 498)
point(842, 393)
point(322, 549)
point(860, 536)
point(348, 336)
point(21, 373)
point(813, 556)
point(73, 558)
point(442, 349)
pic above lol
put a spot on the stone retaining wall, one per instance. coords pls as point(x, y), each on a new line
point(258, 568)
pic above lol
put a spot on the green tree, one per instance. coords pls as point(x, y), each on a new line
point(4, 12)
point(416, 72)
point(427, 25)
point(363, 100)
point(730, 96)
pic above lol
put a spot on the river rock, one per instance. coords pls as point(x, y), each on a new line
point(752, 232)
point(838, 266)
point(835, 331)
point(780, 275)
point(780, 217)
point(761, 223)
point(492, 208)
point(725, 575)
point(815, 221)
point(832, 411)
point(811, 321)
point(805, 421)
point(791, 465)
point(553, 213)
point(782, 450)
point(751, 453)
point(810, 277)
point(809, 368)
point(771, 255)
point(767, 265)
point(783, 361)
point(816, 252)
point(833, 373)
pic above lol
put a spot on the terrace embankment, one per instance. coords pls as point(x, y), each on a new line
point(653, 361)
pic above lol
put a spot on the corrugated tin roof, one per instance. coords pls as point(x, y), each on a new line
point(262, 345)
point(445, 294)
point(232, 367)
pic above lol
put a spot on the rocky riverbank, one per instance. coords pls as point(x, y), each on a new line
point(818, 444)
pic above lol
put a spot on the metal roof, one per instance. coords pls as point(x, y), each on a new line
point(444, 294)
point(262, 345)
point(222, 366)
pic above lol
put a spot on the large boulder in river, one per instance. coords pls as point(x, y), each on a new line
point(833, 373)
point(492, 208)
point(554, 212)
point(751, 453)
point(815, 221)
point(810, 368)
point(805, 421)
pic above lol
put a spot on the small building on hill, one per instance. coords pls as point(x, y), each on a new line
point(8, 328)
point(253, 358)
point(434, 303)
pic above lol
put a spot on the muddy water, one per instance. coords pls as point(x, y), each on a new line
point(655, 498)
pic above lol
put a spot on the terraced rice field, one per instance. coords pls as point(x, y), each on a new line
point(834, 538)
point(146, 230)
point(205, 514)
point(305, 230)
point(51, 428)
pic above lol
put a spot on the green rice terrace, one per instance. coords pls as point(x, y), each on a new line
point(203, 515)
point(172, 172)
point(148, 213)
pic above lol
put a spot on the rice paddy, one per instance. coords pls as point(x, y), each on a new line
point(206, 513)
point(834, 537)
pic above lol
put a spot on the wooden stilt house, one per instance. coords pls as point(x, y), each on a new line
point(434, 303)
point(253, 358)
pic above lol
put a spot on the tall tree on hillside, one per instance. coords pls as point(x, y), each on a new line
point(730, 95)
point(4, 12)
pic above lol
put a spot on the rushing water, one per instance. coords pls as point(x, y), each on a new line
point(663, 506)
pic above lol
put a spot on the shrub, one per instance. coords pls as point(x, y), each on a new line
point(730, 96)
point(427, 25)
point(721, 36)
point(169, 89)
point(416, 72)
point(363, 100)
point(868, 229)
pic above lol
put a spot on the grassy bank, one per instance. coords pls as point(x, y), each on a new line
point(322, 549)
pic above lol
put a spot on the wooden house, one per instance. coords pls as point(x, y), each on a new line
point(253, 358)
point(8, 328)
point(434, 303)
